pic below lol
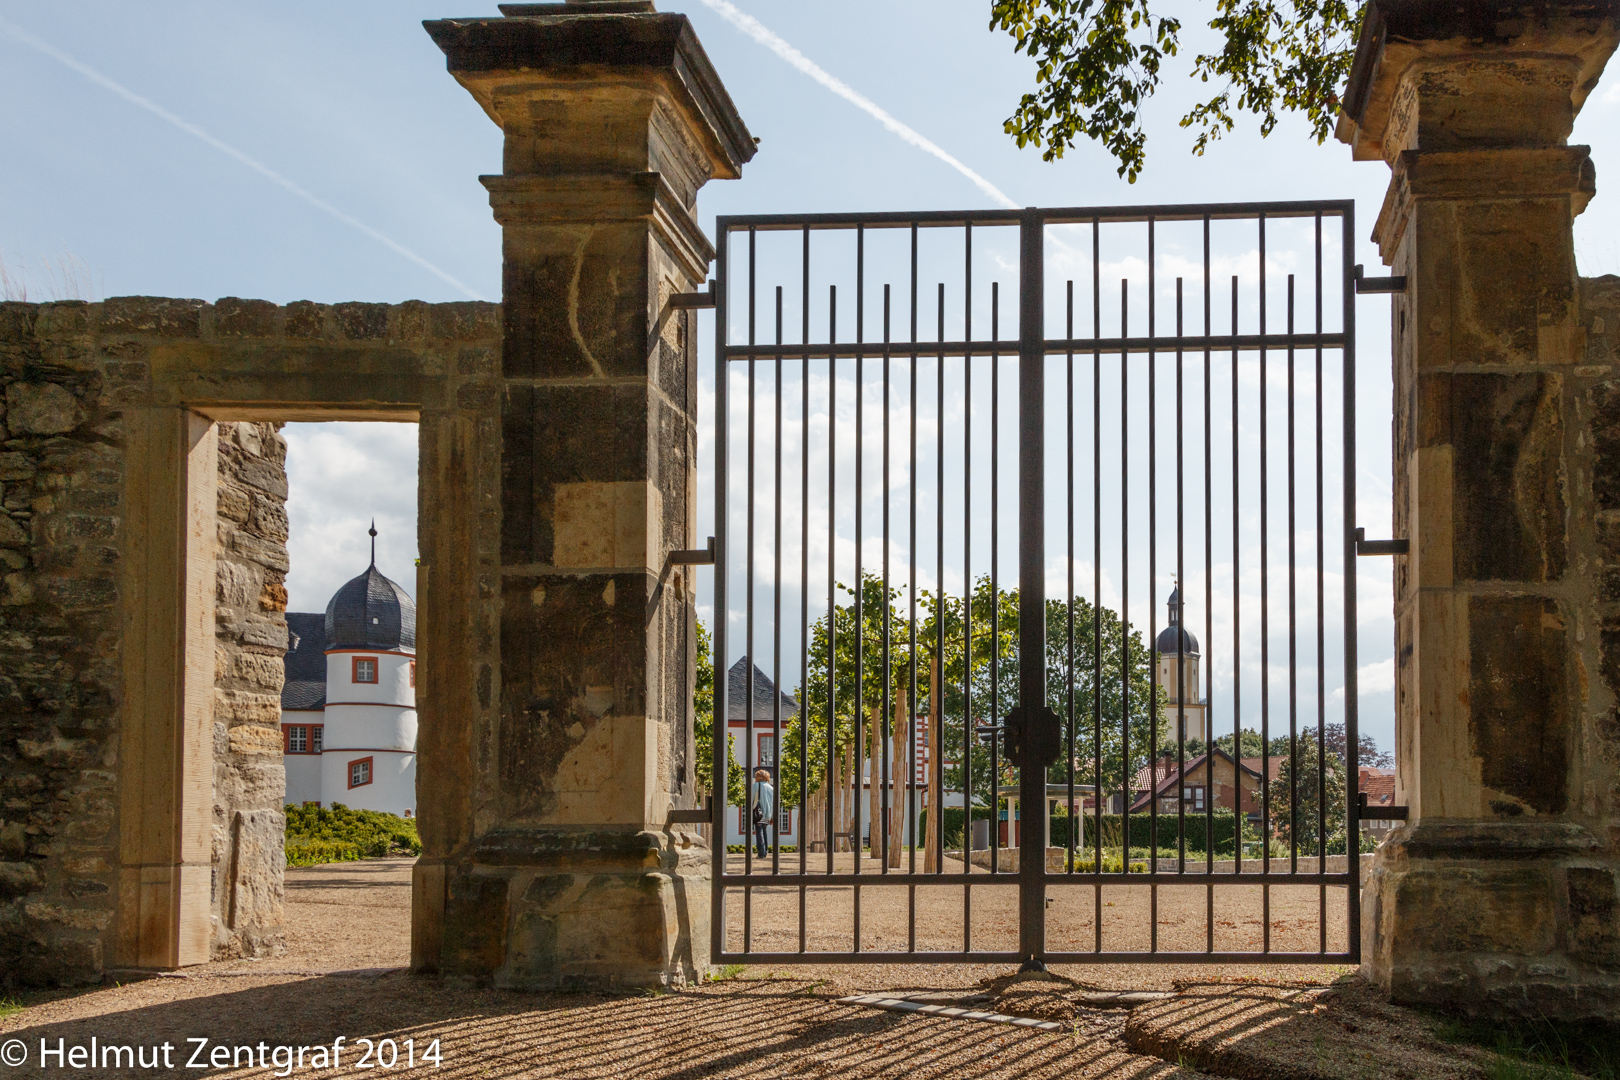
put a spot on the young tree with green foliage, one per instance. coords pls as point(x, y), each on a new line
point(1097, 62)
point(1294, 805)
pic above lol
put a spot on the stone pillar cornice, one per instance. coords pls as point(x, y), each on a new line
point(582, 45)
point(567, 198)
point(1528, 68)
point(1486, 174)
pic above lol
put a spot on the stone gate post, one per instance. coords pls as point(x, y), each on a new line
point(561, 870)
point(1499, 895)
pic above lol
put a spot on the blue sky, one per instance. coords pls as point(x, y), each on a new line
point(350, 102)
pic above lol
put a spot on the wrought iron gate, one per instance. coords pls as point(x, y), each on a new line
point(1135, 457)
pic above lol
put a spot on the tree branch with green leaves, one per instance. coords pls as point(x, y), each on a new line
point(1097, 62)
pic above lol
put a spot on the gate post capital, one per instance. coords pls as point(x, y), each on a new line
point(568, 872)
point(1475, 899)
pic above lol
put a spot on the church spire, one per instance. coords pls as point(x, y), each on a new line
point(1174, 604)
point(373, 532)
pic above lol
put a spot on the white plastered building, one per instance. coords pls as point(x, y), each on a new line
point(348, 708)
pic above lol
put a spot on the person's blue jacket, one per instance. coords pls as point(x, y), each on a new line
point(765, 799)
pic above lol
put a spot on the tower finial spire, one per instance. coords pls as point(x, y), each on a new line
point(373, 532)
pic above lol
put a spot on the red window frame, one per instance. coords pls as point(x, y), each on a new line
point(312, 738)
point(371, 772)
point(413, 674)
point(354, 670)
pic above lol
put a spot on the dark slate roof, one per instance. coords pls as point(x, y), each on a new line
point(371, 612)
point(764, 689)
point(305, 687)
point(1166, 644)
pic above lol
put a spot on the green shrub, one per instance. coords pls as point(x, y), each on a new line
point(318, 834)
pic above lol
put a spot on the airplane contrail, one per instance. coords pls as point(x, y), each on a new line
point(766, 37)
point(228, 150)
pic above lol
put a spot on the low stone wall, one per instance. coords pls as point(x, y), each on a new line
point(72, 377)
point(61, 477)
point(251, 634)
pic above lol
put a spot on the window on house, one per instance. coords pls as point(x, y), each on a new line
point(297, 739)
point(784, 823)
point(767, 751)
point(413, 673)
point(365, 669)
point(316, 731)
point(360, 772)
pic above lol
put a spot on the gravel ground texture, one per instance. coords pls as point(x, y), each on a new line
point(344, 975)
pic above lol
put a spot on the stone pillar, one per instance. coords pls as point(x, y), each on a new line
point(1481, 901)
point(565, 871)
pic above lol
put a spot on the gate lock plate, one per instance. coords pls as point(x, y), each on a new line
point(1032, 737)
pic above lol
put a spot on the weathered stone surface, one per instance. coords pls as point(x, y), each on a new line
point(1495, 899)
point(41, 409)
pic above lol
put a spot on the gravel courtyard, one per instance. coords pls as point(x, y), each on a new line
point(349, 931)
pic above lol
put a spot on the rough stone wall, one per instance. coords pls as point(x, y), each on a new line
point(61, 479)
point(72, 378)
point(249, 777)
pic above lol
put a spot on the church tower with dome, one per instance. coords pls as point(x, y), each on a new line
point(1178, 647)
point(348, 708)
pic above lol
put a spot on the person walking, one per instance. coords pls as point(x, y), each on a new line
point(764, 809)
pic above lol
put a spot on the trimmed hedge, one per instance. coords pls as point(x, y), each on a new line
point(317, 834)
point(1113, 830)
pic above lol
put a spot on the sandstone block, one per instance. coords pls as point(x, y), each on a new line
point(236, 318)
point(75, 918)
point(305, 320)
point(255, 740)
point(239, 707)
point(152, 315)
point(62, 318)
point(12, 534)
point(17, 879)
point(359, 322)
point(59, 753)
point(15, 465)
point(1461, 909)
point(41, 409)
point(1594, 914)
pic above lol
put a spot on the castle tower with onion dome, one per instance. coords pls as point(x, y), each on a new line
point(1177, 647)
point(348, 709)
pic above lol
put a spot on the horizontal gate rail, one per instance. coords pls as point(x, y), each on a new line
point(874, 497)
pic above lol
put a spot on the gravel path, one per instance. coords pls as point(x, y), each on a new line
point(349, 931)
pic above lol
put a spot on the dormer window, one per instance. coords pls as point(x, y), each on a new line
point(365, 669)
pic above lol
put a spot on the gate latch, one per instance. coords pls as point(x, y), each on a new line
point(1393, 284)
point(1032, 737)
point(700, 816)
point(703, 298)
point(1379, 813)
point(1381, 547)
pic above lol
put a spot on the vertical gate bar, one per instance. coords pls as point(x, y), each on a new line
point(1293, 612)
point(1265, 628)
point(885, 731)
point(936, 686)
point(909, 831)
point(995, 583)
point(1181, 605)
point(1321, 652)
point(1032, 577)
point(1068, 598)
point(1096, 576)
point(1238, 815)
point(1209, 644)
point(967, 586)
point(1126, 776)
point(860, 571)
point(804, 598)
point(911, 705)
point(832, 570)
point(718, 753)
point(1347, 541)
point(748, 633)
point(776, 613)
point(1153, 593)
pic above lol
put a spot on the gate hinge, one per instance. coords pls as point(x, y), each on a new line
point(1393, 284)
point(703, 556)
point(1381, 547)
point(1379, 813)
point(703, 298)
point(700, 816)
